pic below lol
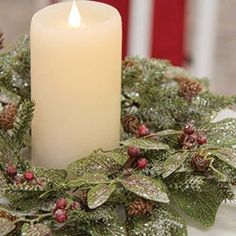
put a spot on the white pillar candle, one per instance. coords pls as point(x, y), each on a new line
point(76, 81)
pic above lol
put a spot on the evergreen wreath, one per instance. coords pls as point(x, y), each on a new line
point(172, 156)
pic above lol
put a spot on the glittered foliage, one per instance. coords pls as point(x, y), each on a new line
point(171, 157)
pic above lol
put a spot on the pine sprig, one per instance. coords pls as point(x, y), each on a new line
point(150, 87)
point(15, 69)
point(23, 123)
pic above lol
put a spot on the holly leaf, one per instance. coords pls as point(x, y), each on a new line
point(173, 162)
point(146, 187)
point(54, 175)
point(168, 132)
point(6, 226)
point(163, 221)
point(146, 143)
point(227, 155)
point(222, 133)
point(201, 206)
point(88, 179)
point(119, 155)
point(36, 230)
point(97, 162)
point(99, 195)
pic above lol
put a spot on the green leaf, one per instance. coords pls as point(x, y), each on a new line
point(173, 162)
point(227, 155)
point(201, 206)
point(99, 195)
point(97, 162)
point(146, 187)
point(89, 178)
point(146, 143)
point(222, 133)
point(168, 132)
point(162, 222)
point(54, 175)
point(119, 155)
point(6, 226)
point(36, 230)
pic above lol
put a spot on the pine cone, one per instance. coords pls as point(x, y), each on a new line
point(140, 207)
point(200, 163)
point(1, 40)
point(7, 215)
point(128, 63)
point(130, 123)
point(187, 141)
point(8, 116)
point(189, 88)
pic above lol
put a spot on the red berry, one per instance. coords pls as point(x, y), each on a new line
point(29, 175)
point(75, 205)
point(143, 131)
point(134, 152)
point(201, 139)
point(61, 203)
point(142, 163)
point(60, 215)
point(11, 171)
point(189, 129)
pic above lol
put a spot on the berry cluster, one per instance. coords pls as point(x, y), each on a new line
point(27, 177)
point(135, 154)
point(60, 211)
point(190, 137)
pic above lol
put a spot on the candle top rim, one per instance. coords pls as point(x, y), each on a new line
point(48, 16)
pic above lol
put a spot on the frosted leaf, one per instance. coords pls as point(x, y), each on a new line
point(99, 195)
point(146, 143)
point(146, 187)
point(6, 226)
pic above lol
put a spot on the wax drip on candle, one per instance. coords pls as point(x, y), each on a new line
point(74, 17)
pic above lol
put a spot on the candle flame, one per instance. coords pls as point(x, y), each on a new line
point(74, 17)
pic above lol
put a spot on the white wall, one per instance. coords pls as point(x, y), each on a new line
point(140, 27)
point(15, 16)
point(204, 36)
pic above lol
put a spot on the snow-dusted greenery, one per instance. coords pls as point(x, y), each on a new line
point(102, 183)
